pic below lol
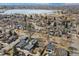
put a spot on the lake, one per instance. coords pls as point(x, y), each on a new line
point(29, 11)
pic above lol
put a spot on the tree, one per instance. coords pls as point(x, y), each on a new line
point(25, 22)
point(25, 18)
point(48, 28)
point(30, 30)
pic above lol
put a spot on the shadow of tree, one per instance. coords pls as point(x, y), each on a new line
point(72, 48)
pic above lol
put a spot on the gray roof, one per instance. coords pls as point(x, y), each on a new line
point(33, 41)
point(24, 37)
point(21, 44)
point(28, 47)
point(31, 44)
point(50, 46)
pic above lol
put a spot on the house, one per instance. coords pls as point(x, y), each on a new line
point(50, 49)
point(31, 44)
point(23, 42)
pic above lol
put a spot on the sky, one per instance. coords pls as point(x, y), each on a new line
point(50, 4)
point(39, 1)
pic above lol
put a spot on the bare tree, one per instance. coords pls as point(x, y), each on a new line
point(30, 30)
